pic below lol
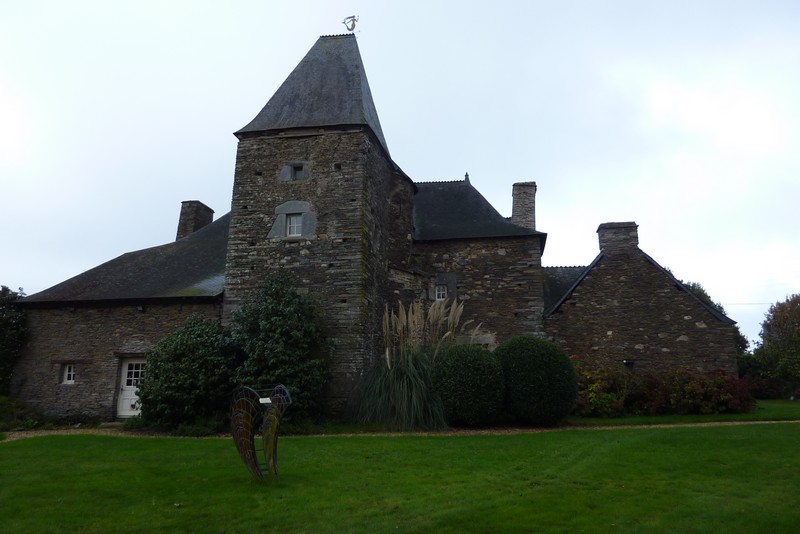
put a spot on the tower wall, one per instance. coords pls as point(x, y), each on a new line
point(343, 181)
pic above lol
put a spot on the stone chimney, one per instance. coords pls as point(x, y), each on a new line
point(523, 211)
point(194, 215)
point(618, 236)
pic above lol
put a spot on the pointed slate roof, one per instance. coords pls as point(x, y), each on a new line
point(456, 210)
point(193, 266)
point(327, 88)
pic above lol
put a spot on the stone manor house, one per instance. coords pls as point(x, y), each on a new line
point(316, 191)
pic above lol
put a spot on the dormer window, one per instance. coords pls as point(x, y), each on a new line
point(294, 224)
point(293, 219)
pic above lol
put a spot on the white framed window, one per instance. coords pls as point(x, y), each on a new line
point(294, 224)
point(294, 218)
point(68, 373)
point(135, 374)
point(440, 292)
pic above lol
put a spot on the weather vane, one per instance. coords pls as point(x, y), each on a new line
point(350, 22)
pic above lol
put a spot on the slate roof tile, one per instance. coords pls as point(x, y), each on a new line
point(328, 87)
point(190, 267)
point(456, 210)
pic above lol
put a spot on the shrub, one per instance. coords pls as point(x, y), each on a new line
point(189, 377)
point(399, 397)
point(600, 394)
point(615, 393)
point(12, 335)
point(16, 415)
point(469, 380)
point(279, 331)
point(704, 393)
point(541, 386)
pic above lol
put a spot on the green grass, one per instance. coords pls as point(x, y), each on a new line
point(688, 479)
point(766, 410)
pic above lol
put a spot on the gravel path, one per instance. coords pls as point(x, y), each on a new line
point(112, 431)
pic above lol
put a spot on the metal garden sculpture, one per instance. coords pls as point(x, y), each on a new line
point(253, 410)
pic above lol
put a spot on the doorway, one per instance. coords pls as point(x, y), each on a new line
point(132, 374)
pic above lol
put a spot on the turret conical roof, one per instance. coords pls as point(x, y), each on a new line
point(327, 88)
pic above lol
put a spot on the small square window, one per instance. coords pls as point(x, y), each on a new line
point(298, 172)
point(294, 224)
point(68, 373)
point(441, 292)
point(294, 171)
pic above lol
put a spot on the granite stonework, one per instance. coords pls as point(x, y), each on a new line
point(94, 339)
point(629, 312)
point(317, 193)
point(361, 208)
point(499, 280)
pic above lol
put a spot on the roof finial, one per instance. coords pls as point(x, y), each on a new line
point(466, 177)
point(350, 22)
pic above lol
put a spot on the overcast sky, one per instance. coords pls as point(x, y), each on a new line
point(683, 116)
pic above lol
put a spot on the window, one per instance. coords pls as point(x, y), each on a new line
point(68, 373)
point(293, 219)
point(295, 171)
point(444, 287)
point(294, 224)
point(135, 374)
point(441, 292)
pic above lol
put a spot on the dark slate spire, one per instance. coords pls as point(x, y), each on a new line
point(327, 88)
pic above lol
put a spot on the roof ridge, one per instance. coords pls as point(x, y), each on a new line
point(444, 182)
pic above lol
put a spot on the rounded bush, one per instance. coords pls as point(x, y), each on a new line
point(189, 377)
point(469, 380)
point(541, 384)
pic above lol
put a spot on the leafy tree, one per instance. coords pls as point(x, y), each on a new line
point(279, 331)
point(189, 377)
point(742, 344)
point(780, 340)
point(12, 335)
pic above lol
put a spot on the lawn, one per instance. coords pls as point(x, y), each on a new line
point(690, 479)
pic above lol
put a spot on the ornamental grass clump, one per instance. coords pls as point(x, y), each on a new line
point(397, 392)
point(541, 385)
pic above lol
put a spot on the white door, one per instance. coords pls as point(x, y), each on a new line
point(132, 374)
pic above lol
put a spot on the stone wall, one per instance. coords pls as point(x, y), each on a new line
point(523, 210)
point(194, 216)
point(94, 339)
point(628, 310)
point(499, 280)
point(347, 182)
